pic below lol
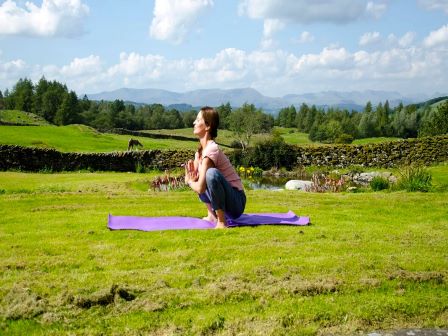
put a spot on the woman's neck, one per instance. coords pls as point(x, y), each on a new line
point(205, 140)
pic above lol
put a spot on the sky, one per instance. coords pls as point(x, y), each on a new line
point(277, 47)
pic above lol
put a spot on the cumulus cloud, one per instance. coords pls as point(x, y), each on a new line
point(435, 5)
point(273, 72)
point(369, 38)
point(82, 66)
point(173, 19)
point(375, 10)
point(52, 18)
point(309, 11)
point(270, 28)
point(305, 37)
point(406, 40)
point(437, 37)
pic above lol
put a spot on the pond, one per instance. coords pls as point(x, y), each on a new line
point(267, 183)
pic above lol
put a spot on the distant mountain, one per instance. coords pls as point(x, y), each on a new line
point(355, 100)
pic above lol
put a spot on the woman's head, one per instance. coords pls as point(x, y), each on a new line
point(211, 119)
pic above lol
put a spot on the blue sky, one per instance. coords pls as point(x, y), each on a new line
point(275, 46)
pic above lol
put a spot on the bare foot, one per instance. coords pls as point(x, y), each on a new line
point(210, 218)
point(220, 225)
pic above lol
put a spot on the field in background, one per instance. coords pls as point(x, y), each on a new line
point(374, 140)
point(20, 117)
point(81, 138)
point(369, 261)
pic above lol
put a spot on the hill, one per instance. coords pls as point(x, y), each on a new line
point(355, 100)
point(14, 117)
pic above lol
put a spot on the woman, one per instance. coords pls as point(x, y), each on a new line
point(212, 175)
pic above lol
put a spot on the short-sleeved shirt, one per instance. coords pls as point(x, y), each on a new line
point(222, 163)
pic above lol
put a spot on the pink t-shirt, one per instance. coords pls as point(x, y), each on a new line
point(222, 163)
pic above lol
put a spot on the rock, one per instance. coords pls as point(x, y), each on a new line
point(298, 185)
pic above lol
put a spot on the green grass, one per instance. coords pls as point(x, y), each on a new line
point(374, 140)
point(225, 137)
point(80, 138)
point(21, 117)
point(370, 261)
point(293, 137)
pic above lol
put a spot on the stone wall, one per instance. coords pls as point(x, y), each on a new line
point(35, 159)
point(422, 150)
point(426, 151)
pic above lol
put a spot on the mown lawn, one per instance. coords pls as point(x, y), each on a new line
point(369, 261)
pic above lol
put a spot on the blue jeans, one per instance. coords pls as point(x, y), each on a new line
point(221, 195)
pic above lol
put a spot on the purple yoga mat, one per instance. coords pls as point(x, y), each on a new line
point(185, 223)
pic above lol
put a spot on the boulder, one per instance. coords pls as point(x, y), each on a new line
point(298, 185)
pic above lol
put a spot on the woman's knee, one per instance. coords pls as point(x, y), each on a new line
point(211, 176)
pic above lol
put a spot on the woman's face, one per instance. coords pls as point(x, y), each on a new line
point(199, 126)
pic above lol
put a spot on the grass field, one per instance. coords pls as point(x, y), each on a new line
point(20, 117)
point(369, 261)
point(374, 140)
point(80, 138)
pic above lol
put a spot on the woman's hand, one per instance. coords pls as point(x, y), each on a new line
point(191, 175)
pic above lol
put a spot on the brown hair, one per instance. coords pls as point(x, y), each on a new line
point(211, 119)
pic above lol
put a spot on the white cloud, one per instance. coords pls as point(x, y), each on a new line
point(173, 19)
point(375, 9)
point(437, 37)
point(53, 18)
point(407, 39)
point(435, 5)
point(82, 66)
point(270, 27)
point(274, 72)
point(369, 38)
point(305, 37)
point(307, 11)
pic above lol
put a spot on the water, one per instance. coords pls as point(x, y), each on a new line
point(268, 183)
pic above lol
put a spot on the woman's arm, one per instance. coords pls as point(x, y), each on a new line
point(199, 186)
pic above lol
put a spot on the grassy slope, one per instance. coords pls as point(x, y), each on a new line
point(80, 138)
point(370, 261)
point(20, 117)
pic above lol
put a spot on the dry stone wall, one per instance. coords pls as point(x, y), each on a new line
point(427, 150)
point(422, 150)
point(36, 159)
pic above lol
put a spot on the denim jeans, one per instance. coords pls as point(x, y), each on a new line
point(221, 195)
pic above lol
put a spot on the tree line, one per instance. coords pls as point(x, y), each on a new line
point(60, 106)
point(335, 125)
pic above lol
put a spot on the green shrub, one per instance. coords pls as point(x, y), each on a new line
point(414, 178)
point(268, 154)
point(344, 139)
point(139, 168)
point(379, 183)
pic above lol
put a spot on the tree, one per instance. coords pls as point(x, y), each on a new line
point(366, 124)
point(302, 116)
point(84, 103)
point(189, 117)
point(382, 120)
point(40, 89)
point(22, 95)
point(52, 99)
point(224, 112)
point(437, 121)
point(68, 111)
point(245, 122)
point(2, 103)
